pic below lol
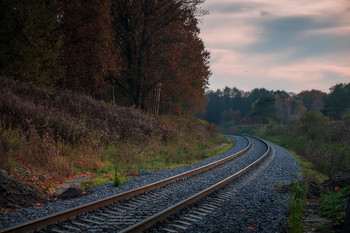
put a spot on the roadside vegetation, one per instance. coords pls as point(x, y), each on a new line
point(48, 136)
point(321, 143)
point(314, 142)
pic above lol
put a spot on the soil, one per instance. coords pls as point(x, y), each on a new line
point(339, 181)
point(312, 219)
point(15, 194)
point(315, 190)
point(73, 183)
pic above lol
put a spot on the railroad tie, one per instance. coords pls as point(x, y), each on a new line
point(183, 222)
point(169, 230)
point(195, 216)
point(59, 231)
point(204, 210)
point(79, 224)
point(72, 228)
point(200, 213)
point(97, 218)
point(90, 221)
point(178, 226)
point(212, 205)
point(191, 219)
point(211, 209)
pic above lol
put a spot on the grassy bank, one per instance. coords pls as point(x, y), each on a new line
point(48, 136)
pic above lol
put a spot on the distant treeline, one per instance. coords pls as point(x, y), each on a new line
point(262, 106)
point(141, 53)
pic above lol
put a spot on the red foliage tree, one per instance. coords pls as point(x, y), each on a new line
point(187, 72)
point(161, 54)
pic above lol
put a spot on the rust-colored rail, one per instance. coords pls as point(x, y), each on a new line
point(147, 223)
point(71, 213)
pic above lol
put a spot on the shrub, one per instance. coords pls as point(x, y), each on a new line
point(69, 116)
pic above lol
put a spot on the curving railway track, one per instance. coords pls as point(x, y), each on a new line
point(139, 209)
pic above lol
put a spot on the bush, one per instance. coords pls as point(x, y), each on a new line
point(314, 126)
point(333, 204)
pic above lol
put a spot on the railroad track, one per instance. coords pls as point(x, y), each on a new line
point(198, 213)
point(137, 210)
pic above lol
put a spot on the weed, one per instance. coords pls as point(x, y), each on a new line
point(117, 182)
point(296, 210)
point(322, 228)
point(333, 204)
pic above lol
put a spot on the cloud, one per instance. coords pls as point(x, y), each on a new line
point(308, 36)
point(333, 31)
point(229, 7)
point(229, 37)
point(292, 45)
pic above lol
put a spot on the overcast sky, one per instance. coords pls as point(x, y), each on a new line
point(290, 45)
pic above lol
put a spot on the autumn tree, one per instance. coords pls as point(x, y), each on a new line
point(312, 100)
point(289, 108)
point(89, 54)
point(30, 42)
point(152, 35)
point(185, 71)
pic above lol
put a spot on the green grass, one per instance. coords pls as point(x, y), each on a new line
point(153, 162)
point(323, 228)
point(308, 169)
point(117, 181)
point(296, 209)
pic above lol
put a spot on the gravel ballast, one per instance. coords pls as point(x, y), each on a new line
point(254, 206)
point(11, 218)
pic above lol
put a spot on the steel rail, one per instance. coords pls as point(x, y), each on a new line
point(147, 223)
point(39, 223)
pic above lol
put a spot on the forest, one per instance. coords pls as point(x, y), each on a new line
point(91, 85)
point(146, 54)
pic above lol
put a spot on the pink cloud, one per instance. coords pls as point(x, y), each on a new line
point(226, 32)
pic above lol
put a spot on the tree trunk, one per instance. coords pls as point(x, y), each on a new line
point(347, 219)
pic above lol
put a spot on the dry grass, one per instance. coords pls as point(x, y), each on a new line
point(63, 133)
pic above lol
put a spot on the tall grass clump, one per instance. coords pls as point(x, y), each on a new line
point(296, 210)
point(117, 182)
